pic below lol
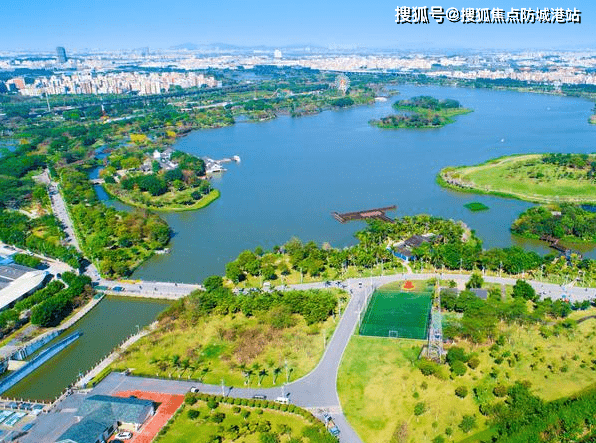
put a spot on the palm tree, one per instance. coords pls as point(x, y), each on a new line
point(248, 374)
point(276, 371)
point(243, 369)
point(262, 373)
point(185, 364)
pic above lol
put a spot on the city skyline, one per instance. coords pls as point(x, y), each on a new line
point(42, 26)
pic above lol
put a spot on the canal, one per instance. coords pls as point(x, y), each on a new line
point(103, 328)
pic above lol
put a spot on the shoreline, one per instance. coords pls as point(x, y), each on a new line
point(445, 179)
point(205, 201)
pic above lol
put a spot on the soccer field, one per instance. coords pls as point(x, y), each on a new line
point(397, 314)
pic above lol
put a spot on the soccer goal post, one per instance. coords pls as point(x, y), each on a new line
point(393, 334)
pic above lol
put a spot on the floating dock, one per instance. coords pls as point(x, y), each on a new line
point(367, 214)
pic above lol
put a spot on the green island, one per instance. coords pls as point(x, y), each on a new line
point(539, 178)
point(476, 206)
point(518, 369)
point(207, 418)
point(566, 222)
point(422, 112)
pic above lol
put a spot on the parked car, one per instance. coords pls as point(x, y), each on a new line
point(259, 397)
point(283, 400)
point(118, 288)
point(194, 389)
point(124, 435)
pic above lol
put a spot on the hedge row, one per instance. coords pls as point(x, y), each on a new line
point(191, 398)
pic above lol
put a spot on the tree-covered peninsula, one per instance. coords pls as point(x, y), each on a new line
point(422, 112)
point(565, 221)
point(165, 180)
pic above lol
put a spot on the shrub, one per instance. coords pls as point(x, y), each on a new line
point(212, 403)
point(236, 409)
point(500, 390)
point(419, 408)
point(456, 353)
point(259, 411)
point(193, 414)
point(428, 367)
point(461, 391)
point(468, 423)
point(268, 437)
point(459, 368)
point(473, 363)
point(190, 399)
point(218, 417)
point(439, 439)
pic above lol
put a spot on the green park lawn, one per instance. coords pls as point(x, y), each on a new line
point(184, 429)
point(174, 201)
point(216, 347)
point(524, 177)
point(379, 384)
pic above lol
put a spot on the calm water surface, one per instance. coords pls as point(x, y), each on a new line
point(296, 171)
point(103, 328)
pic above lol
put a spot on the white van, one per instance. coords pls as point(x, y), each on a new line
point(283, 400)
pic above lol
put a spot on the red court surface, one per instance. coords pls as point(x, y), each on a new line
point(169, 404)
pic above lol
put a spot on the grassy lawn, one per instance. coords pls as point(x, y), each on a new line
point(524, 177)
point(379, 384)
point(170, 201)
point(184, 429)
point(217, 346)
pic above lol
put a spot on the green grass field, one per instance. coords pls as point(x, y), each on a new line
point(379, 384)
point(524, 177)
point(397, 313)
point(216, 347)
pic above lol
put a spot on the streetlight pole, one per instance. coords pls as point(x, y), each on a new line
point(223, 393)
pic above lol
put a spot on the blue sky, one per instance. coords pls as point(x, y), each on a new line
point(126, 24)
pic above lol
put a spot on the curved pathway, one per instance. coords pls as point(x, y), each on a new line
point(318, 389)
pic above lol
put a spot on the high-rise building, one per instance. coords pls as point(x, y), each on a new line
point(61, 54)
point(277, 54)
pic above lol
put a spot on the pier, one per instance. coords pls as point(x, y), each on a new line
point(372, 214)
point(553, 242)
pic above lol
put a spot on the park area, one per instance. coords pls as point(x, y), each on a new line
point(398, 311)
point(389, 395)
point(532, 177)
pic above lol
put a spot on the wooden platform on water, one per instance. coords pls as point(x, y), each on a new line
point(367, 214)
point(553, 242)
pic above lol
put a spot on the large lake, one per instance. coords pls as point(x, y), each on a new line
point(296, 171)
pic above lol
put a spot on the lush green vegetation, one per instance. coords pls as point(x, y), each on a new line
point(251, 338)
point(54, 308)
point(158, 185)
point(508, 348)
point(564, 221)
point(42, 235)
point(117, 241)
point(209, 419)
point(476, 206)
point(27, 260)
point(49, 305)
point(422, 112)
point(548, 178)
